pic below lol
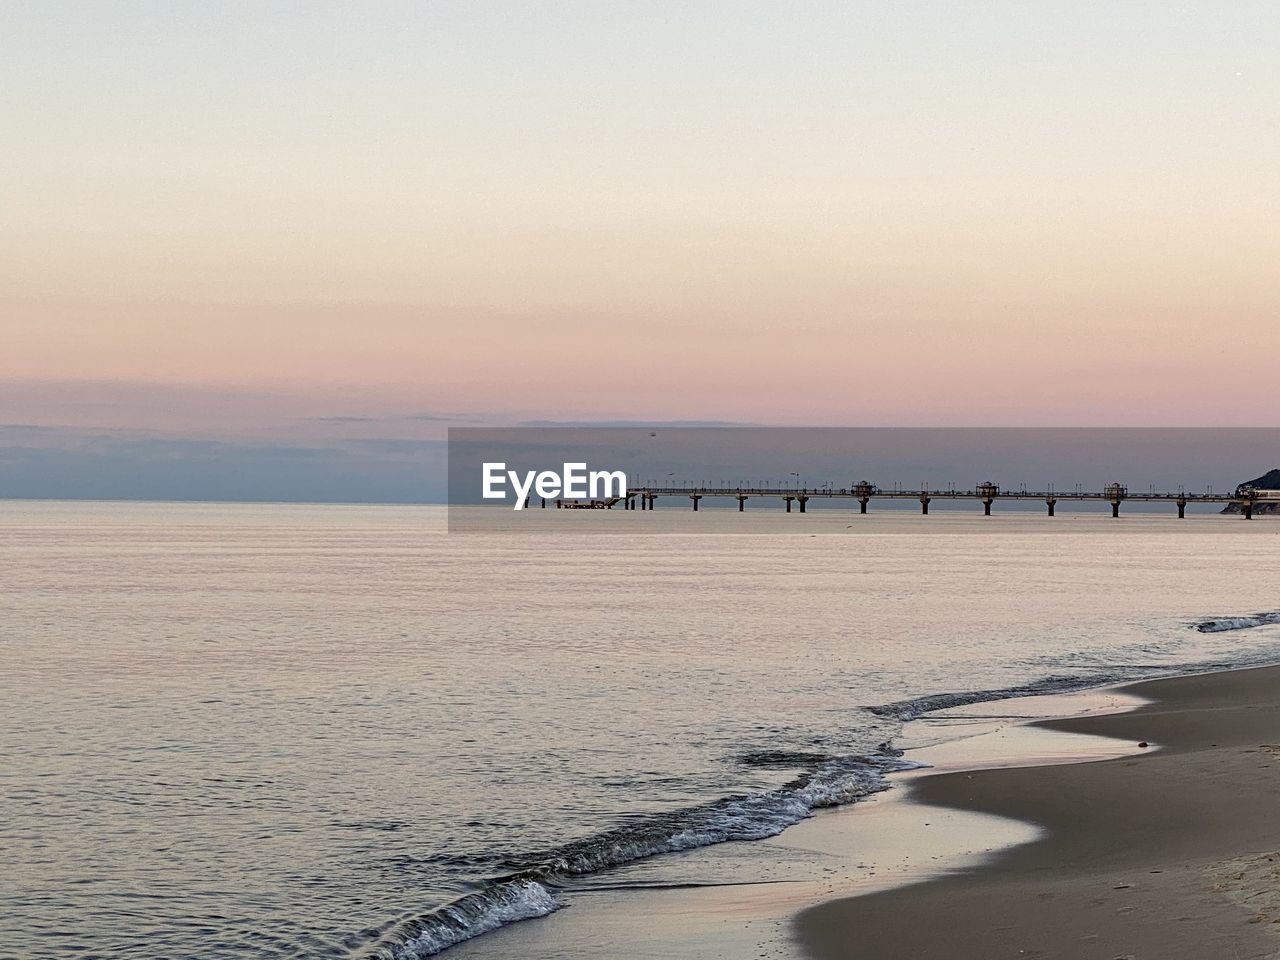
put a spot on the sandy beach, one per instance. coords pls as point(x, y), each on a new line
point(1173, 853)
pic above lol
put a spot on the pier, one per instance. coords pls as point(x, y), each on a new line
point(986, 494)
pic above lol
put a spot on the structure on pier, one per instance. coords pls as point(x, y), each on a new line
point(606, 504)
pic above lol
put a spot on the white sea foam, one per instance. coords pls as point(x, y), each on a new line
point(473, 915)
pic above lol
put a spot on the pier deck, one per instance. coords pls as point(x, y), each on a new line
point(988, 494)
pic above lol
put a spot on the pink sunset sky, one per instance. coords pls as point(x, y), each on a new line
point(281, 221)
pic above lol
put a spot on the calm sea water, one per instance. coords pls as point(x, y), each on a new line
point(235, 731)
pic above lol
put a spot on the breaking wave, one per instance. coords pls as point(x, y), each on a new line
point(469, 917)
point(1238, 623)
point(528, 891)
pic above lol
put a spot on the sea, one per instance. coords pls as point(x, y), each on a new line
point(233, 731)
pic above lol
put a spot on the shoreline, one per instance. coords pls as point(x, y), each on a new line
point(730, 900)
point(1160, 854)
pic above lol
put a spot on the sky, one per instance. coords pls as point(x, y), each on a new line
point(313, 225)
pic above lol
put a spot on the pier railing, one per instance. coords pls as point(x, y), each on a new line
point(645, 497)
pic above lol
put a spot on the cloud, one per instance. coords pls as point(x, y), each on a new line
point(399, 444)
point(400, 418)
point(637, 423)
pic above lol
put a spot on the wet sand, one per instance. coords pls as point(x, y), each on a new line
point(1170, 854)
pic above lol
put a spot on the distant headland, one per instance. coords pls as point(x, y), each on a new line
point(1267, 490)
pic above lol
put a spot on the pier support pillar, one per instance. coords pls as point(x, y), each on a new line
point(802, 501)
point(557, 503)
point(1115, 508)
point(652, 501)
point(695, 497)
point(862, 504)
point(1248, 509)
point(742, 503)
point(788, 500)
point(1182, 509)
point(1051, 503)
point(544, 503)
point(924, 506)
point(986, 506)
